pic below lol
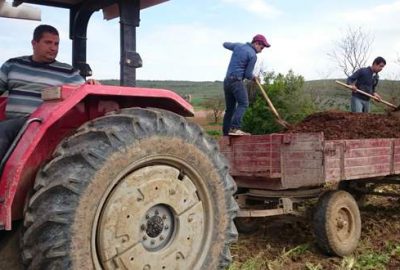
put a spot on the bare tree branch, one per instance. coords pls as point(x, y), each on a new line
point(352, 51)
point(216, 107)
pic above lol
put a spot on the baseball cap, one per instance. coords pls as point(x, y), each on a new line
point(262, 39)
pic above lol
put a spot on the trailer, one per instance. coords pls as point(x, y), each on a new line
point(276, 173)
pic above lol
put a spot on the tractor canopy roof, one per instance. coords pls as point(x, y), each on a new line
point(110, 7)
point(74, 3)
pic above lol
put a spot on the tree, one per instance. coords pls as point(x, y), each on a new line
point(216, 105)
point(352, 51)
point(287, 94)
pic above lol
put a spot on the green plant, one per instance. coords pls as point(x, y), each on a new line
point(253, 263)
point(214, 132)
point(372, 260)
point(289, 99)
point(299, 250)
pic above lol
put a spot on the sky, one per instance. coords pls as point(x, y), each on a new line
point(182, 39)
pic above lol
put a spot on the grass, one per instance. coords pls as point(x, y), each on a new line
point(371, 260)
point(365, 260)
point(288, 256)
point(297, 251)
point(257, 262)
point(214, 133)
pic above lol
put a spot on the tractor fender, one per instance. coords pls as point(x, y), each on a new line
point(65, 109)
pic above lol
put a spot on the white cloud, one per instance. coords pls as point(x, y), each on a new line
point(379, 13)
point(305, 56)
point(193, 52)
point(259, 7)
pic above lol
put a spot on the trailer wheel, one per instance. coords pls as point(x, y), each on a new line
point(138, 189)
point(337, 223)
point(247, 225)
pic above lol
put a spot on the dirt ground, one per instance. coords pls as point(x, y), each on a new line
point(345, 125)
point(287, 242)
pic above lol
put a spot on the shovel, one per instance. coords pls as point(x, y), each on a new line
point(396, 108)
point(278, 118)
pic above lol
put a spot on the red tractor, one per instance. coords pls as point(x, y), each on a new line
point(104, 177)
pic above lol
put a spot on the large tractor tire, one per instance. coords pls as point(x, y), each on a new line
point(137, 189)
point(337, 223)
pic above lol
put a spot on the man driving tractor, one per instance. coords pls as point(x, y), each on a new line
point(25, 77)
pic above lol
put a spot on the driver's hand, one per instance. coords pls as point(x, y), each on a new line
point(377, 96)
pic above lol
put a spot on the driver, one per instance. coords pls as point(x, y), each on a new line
point(24, 78)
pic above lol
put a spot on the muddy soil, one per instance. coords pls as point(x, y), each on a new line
point(338, 125)
point(287, 242)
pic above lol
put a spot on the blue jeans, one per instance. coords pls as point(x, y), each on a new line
point(359, 105)
point(236, 103)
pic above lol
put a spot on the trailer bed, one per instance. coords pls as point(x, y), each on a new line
point(296, 160)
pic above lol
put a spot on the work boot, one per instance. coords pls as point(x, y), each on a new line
point(237, 132)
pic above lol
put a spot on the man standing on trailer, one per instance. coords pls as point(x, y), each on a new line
point(241, 65)
point(365, 79)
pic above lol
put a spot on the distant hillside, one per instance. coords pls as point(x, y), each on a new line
point(329, 95)
point(198, 90)
point(326, 93)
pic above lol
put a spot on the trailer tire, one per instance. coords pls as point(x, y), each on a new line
point(337, 223)
point(136, 189)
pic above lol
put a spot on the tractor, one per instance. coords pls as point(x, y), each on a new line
point(113, 177)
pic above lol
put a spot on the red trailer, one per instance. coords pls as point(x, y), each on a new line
point(275, 172)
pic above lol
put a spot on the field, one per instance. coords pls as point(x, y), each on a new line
point(198, 90)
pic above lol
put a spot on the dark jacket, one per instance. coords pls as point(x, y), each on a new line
point(366, 80)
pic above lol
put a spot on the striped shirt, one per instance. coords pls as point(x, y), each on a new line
point(25, 79)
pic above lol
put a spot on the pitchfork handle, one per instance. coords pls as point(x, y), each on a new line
point(368, 95)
